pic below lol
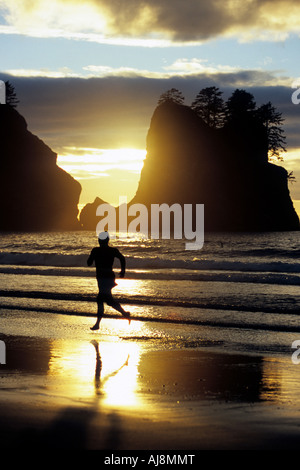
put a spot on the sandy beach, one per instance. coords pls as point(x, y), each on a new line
point(106, 393)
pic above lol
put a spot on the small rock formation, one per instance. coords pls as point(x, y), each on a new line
point(87, 216)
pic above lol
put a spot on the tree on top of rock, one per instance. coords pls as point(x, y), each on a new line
point(210, 106)
point(171, 96)
point(240, 105)
point(11, 96)
point(272, 121)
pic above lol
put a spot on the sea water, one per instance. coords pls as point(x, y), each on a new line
point(240, 292)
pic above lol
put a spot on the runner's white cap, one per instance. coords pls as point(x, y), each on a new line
point(103, 236)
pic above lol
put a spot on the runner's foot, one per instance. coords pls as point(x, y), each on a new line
point(127, 315)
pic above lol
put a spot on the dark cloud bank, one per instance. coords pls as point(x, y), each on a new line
point(116, 111)
point(192, 20)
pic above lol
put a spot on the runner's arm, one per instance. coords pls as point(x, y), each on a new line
point(123, 263)
point(91, 258)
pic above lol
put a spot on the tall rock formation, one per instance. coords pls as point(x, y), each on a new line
point(225, 169)
point(35, 194)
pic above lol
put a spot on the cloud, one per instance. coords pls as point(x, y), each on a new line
point(153, 22)
point(108, 107)
point(115, 111)
point(61, 73)
point(182, 67)
point(36, 16)
point(97, 112)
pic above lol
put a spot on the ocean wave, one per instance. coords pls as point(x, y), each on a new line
point(157, 267)
point(289, 279)
point(227, 319)
point(228, 304)
point(42, 259)
point(151, 262)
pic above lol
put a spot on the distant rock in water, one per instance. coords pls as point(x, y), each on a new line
point(225, 169)
point(35, 194)
point(88, 214)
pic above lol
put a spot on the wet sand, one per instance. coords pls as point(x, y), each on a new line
point(118, 394)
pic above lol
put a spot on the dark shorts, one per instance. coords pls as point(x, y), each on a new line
point(105, 285)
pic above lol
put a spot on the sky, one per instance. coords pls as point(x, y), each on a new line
point(89, 74)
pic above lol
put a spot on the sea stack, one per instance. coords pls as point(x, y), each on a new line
point(225, 169)
point(35, 193)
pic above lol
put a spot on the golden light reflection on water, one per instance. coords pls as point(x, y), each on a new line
point(120, 381)
point(133, 286)
point(280, 381)
point(94, 370)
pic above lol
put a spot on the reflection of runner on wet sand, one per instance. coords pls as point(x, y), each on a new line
point(104, 256)
point(98, 368)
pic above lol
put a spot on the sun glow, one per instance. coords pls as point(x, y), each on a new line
point(104, 173)
point(97, 370)
point(120, 384)
point(94, 161)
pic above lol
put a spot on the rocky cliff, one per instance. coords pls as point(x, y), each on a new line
point(225, 169)
point(35, 194)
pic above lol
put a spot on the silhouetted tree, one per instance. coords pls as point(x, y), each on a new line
point(11, 96)
point(210, 106)
point(291, 177)
point(240, 105)
point(173, 95)
point(272, 121)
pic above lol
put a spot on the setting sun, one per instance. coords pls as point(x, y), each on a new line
point(104, 173)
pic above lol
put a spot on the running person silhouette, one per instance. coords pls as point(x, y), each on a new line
point(104, 256)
